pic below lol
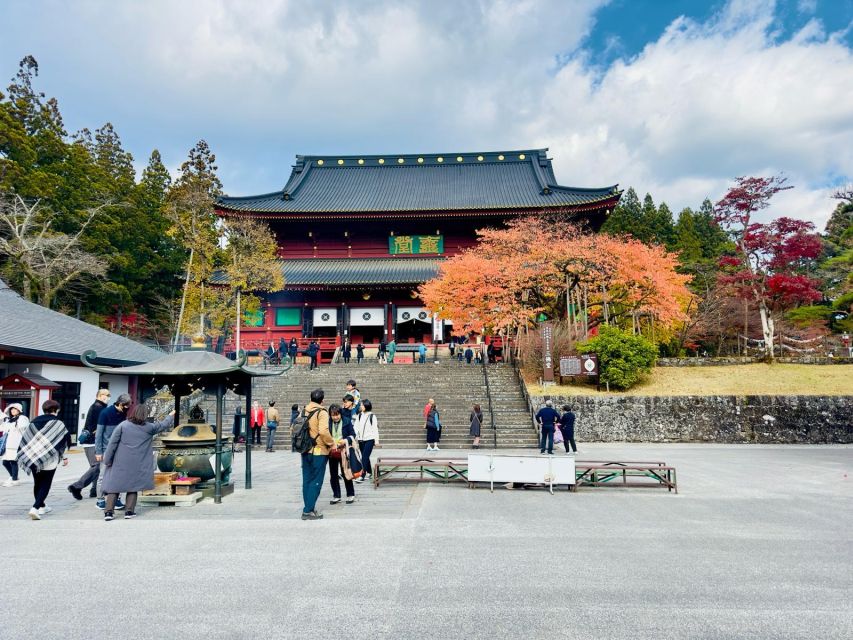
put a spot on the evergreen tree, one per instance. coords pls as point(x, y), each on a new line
point(625, 217)
point(661, 226)
point(687, 241)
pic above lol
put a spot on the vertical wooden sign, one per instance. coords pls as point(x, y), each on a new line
point(547, 352)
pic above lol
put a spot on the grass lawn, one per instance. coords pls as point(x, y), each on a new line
point(737, 380)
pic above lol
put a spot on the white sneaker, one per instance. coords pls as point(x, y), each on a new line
point(34, 514)
point(436, 448)
point(9, 483)
point(45, 509)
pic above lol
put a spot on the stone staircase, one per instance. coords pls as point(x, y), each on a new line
point(398, 393)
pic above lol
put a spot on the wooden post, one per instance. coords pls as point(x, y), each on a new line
point(248, 435)
point(220, 401)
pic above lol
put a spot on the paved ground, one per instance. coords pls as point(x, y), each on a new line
point(756, 545)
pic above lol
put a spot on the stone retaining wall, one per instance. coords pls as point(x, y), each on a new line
point(723, 419)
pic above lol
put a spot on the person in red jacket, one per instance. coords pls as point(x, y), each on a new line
point(257, 419)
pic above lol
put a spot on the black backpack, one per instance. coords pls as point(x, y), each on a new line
point(302, 440)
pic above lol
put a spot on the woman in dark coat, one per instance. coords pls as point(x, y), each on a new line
point(433, 427)
point(476, 419)
point(129, 458)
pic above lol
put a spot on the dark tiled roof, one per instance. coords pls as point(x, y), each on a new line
point(313, 272)
point(480, 181)
point(29, 328)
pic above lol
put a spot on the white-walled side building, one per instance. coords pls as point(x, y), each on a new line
point(40, 359)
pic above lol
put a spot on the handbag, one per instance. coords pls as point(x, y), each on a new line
point(354, 459)
point(84, 437)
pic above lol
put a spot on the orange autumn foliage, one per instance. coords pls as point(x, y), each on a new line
point(513, 274)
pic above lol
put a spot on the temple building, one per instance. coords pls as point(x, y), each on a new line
point(357, 235)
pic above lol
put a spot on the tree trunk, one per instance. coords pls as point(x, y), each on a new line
point(183, 300)
point(767, 328)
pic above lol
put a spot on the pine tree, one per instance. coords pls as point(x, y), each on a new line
point(626, 215)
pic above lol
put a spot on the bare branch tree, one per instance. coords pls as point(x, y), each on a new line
point(844, 193)
point(46, 261)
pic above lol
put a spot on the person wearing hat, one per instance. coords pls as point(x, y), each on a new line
point(547, 417)
point(13, 426)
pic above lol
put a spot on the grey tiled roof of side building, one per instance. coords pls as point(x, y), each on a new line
point(336, 184)
point(312, 272)
point(27, 327)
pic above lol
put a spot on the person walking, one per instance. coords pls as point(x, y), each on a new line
point(422, 353)
point(367, 432)
point(380, 353)
point(256, 421)
point(547, 417)
point(282, 349)
point(359, 353)
point(476, 419)
point(432, 426)
point(469, 355)
point(341, 432)
point(567, 428)
point(272, 425)
point(129, 459)
point(90, 477)
point(43, 445)
point(452, 347)
point(313, 351)
point(347, 352)
point(294, 419)
point(14, 424)
point(108, 420)
point(314, 461)
point(392, 350)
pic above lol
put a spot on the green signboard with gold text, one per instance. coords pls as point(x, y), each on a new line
point(412, 245)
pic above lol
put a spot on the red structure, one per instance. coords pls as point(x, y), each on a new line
point(358, 234)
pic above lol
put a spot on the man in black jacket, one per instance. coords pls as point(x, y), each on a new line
point(92, 473)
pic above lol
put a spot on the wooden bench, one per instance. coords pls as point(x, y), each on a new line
point(427, 469)
point(600, 473)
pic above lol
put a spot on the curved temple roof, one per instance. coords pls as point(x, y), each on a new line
point(323, 272)
point(428, 182)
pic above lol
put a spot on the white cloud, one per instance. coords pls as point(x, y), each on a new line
point(706, 103)
point(261, 81)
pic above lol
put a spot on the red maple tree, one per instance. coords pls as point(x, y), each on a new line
point(771, 259)
point(541, 265)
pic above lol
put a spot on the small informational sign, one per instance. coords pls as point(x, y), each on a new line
point(547, 352)
point(412, 245)
point(583, 365)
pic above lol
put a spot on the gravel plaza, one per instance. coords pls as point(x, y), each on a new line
point(756, 544)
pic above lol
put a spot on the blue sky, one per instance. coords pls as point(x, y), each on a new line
point(674, 97)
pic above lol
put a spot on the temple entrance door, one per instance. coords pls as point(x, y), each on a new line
point(367, 335)
point(325, 332)
point(413, 331)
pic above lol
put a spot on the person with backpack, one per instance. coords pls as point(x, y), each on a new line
point(359, 353)
point(341, 432)
point(367, 432)
point(272, 425)
point(313, 441)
